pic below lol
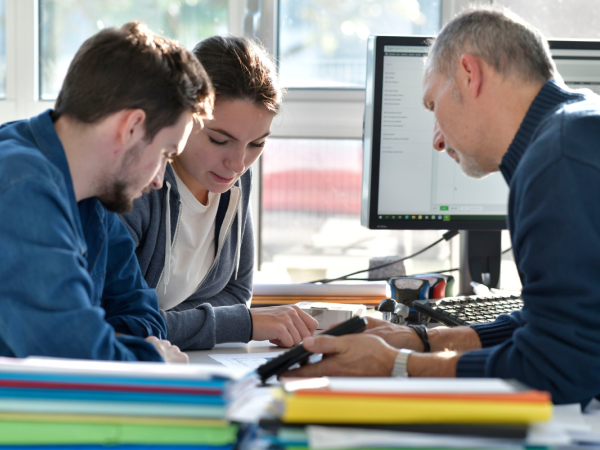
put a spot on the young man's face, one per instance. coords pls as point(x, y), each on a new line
point(143, 166)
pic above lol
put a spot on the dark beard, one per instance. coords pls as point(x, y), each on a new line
point(114, 198)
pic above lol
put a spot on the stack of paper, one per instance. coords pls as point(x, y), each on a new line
point(360, 413)
point(53, 402)
point(370, 294)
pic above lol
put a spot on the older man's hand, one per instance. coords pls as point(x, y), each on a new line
point(357, 355)
point(395, 335)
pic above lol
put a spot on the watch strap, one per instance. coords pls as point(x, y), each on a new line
point(401, 363)
point(421, 331)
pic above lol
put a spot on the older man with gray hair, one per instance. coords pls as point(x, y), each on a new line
point(491, 83)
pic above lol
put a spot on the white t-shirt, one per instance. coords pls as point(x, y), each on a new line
point(193, 251)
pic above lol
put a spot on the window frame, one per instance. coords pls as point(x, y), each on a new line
point(306, 113)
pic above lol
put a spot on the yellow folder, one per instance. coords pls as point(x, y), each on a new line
point(380, 410)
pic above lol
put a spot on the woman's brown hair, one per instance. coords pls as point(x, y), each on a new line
point(240, 69)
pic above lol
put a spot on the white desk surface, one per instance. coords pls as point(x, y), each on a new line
point(201, 356)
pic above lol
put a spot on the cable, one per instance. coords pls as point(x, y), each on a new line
point(437, 271)
point(507, 250)
point(446, 237)
point(386, 279)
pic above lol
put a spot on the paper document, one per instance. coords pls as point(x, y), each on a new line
point(106, 370)
point(390, 385)
point(245, 360)
point(251, 407)
point(326, 438)
point(371, 289)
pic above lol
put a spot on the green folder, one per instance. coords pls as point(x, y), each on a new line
point(56, 433)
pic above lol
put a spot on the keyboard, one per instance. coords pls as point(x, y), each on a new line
point(467, 310)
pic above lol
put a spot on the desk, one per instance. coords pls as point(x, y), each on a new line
point(201, 356)
point(562, 414)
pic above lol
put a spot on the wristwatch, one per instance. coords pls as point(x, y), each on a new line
point(401, 362)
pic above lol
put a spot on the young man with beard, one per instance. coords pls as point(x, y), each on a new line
point(491, 82)
point(71, 285)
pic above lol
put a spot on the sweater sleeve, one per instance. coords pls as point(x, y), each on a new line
point(555, 345)
point(131, 306)
point(200, 323)
point(46, 306)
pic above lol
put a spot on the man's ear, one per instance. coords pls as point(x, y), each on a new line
point(131, 127)
point(471, 74)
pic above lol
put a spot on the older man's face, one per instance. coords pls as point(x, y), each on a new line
point(455, 130)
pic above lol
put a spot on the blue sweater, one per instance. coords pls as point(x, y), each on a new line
point(70, 278)
point(553, 170)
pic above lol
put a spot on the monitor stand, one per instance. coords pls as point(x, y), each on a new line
point(480, 257)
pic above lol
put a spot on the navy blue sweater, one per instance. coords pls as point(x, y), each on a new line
point(553, 170)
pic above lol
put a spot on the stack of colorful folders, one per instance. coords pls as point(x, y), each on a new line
point(360, 413)
point(57, 402)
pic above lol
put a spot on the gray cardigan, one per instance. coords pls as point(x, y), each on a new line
point(217, 312)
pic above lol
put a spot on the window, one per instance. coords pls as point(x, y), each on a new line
point(322, 43)
point(2, 49)
point(560, 19)
point(311, 215)
point(311, 188)
point(65, 24)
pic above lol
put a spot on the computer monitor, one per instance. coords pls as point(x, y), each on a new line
point(407, 185)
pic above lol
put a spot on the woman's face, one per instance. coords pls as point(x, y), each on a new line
point(217, 154)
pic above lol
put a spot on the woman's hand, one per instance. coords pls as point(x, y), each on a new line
point(285, 326)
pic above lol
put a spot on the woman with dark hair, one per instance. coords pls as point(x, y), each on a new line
point(194, 236)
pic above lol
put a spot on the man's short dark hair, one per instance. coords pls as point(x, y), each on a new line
point(132, 68)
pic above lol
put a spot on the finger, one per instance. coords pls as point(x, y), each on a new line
point(309, 321)
point(300, 324)
point(323, 344)
point(372, 323)
point(285, 338)
point(152, 339)
point(293, 330)
point(319, 369)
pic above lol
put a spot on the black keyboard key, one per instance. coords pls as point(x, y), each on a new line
point(454, 311)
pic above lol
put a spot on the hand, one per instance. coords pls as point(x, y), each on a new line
point(170, 353)
point(395, 335)
point(357, 355)
point(285, 326)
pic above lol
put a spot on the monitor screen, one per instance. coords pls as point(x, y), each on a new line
point(406, 183)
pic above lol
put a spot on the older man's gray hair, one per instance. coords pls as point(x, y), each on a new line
point(497, 36)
